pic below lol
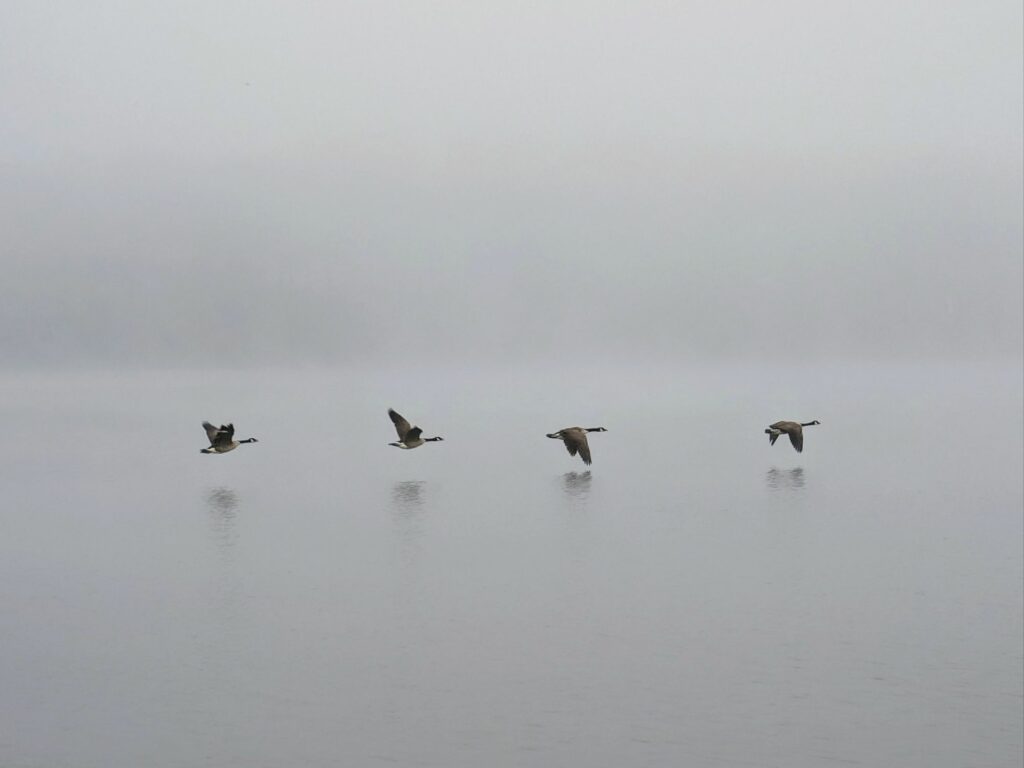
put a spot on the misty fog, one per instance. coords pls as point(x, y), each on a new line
point(679, 221)
point(262, 183)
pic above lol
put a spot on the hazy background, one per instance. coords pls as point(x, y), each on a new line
point(700, 599)
point(724, 213)
point(260, 182)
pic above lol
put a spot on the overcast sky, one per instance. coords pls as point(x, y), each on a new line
point(266, 182)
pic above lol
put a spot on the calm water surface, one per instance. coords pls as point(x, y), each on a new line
point(694, 598)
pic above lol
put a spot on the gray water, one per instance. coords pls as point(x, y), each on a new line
point(695, 598)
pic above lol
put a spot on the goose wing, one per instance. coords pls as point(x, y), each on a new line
point(221, 435)
point(796, 437)
point(575, 440)
point(402, 427)
point(211, 431)
point(225, 435)
point(584, 448)
point(413, 434)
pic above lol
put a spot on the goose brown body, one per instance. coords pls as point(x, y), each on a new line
point(575, 439)
point(409, 437)
point(222, 438)
point(794, 429)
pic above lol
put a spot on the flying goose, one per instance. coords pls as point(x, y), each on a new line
point(793, 429)
point(408, 436)
point(575, 439)
point(222, 438)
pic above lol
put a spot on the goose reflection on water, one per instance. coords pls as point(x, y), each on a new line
point(576, 485)
point(785, 479)
point(407, 513)
point(407, 496)
point(222, 504)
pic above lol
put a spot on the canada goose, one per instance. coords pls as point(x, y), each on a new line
point(791, 428)
point(575, 439)
point(408, 436)
point(222, 438)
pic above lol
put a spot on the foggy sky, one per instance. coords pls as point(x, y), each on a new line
point(267, 182)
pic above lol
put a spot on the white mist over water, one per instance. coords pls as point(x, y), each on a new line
point(528, 217)
point(695, 597)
